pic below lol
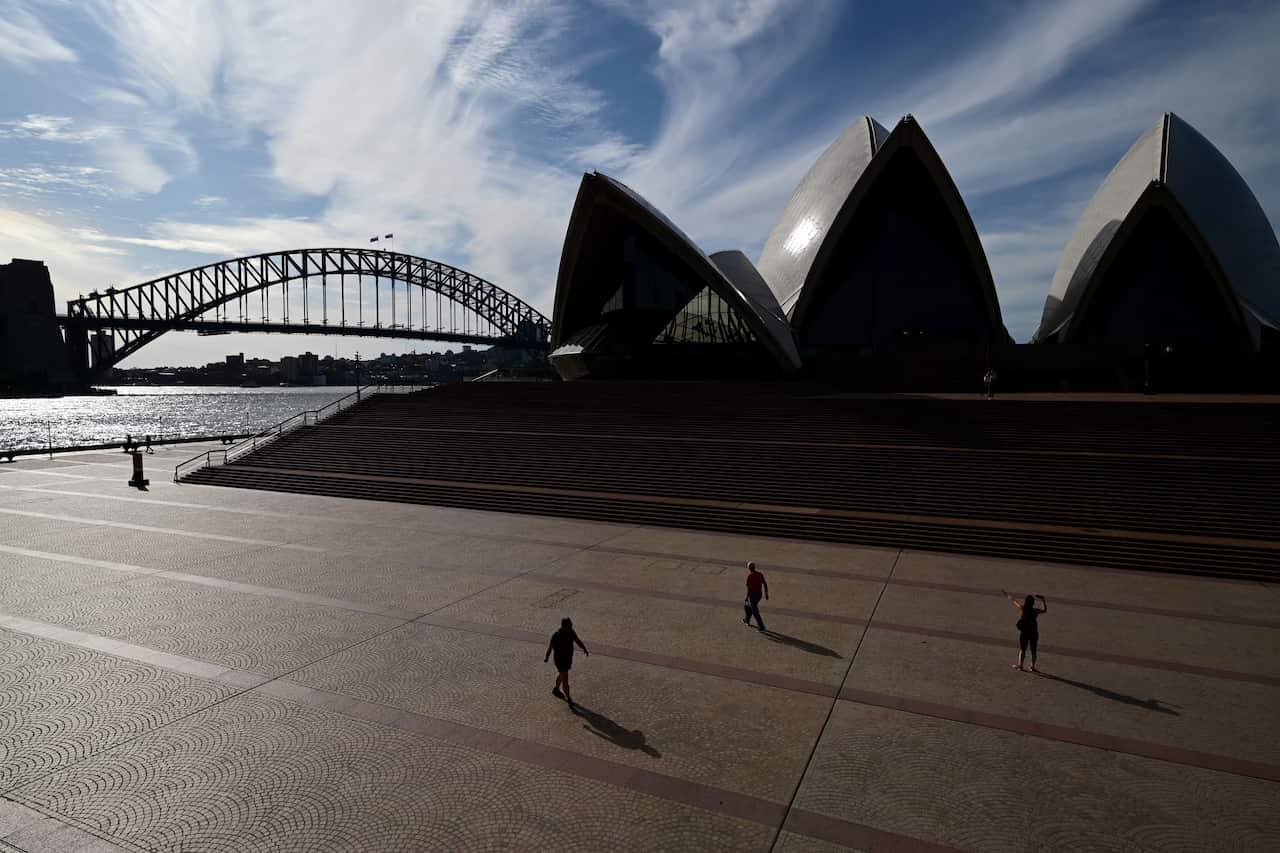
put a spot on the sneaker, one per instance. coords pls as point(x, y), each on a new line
point(555, 691)
point(761, 629)
point(1016, 666)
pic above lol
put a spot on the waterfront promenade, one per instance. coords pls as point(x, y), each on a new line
point(199, 668)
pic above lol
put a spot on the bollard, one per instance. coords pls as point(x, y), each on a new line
point(138, 481)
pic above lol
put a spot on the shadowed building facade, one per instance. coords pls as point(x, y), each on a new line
point(635, 297)
point(1173, 252)
point(874, 274)
point(875, 255)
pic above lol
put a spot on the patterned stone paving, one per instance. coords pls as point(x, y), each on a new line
point(978, 789)
point(259, 774)
point(1124, 701)
point(121, 728)
point(60, 704)
point(629, 713)
point(249, 632)
point(673, 628)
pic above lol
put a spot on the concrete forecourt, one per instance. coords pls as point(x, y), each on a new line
point(197, 668)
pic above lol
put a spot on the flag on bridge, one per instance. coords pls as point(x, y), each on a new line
point(388, 237)
point(373, 239)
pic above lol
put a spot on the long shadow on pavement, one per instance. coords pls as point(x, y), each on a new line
point(601, 726)
point(802, 645)
point(1149, 704)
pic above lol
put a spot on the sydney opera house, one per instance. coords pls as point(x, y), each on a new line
point(874, 273)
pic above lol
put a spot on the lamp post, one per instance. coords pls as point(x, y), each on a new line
point(377, 306)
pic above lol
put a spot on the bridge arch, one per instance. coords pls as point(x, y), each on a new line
point(479, 311)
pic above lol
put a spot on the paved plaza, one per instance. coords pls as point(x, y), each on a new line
point(195, 668)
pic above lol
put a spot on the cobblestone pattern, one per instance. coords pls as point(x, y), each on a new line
point(1170, 708)
point(1243, 648)
point(1203, 595)
point(688, 576)
point(985, 790)
point(436, 551)
point(791, 842)
point(184, 518)
point(25, 580)
point(737, 549)
point(134, 547)
point(803, 648)
point(353, 578)
point(251, 632)
point(24, 531)
point(755, 741)
point(260, 774)
point(59, 704)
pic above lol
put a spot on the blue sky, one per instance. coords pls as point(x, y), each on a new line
point(140, 138)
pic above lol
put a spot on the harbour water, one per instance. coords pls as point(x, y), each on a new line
point(170, 411)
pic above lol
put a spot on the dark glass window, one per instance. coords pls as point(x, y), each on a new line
point(901, 274)
point(1158, 289)
point(706, 319)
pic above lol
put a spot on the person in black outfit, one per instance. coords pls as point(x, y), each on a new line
point(1028, 627)
point(561, 645)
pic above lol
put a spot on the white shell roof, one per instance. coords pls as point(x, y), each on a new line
point(794, 241)
point(1214, 196)
point(729, 273)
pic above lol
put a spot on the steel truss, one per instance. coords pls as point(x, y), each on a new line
point(467, 308)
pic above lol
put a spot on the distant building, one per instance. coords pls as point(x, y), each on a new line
point(289, 369)
point(235, 363)
point(308, 365)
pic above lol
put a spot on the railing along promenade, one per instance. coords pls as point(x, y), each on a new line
point(308, 417)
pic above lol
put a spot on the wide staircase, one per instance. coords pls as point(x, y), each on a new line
point(1189, 487)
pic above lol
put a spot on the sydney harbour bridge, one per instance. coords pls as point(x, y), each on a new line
point(333, 291)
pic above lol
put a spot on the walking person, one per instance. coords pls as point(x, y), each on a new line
point(1028, 627)
point(756, 586)
point(561, 645)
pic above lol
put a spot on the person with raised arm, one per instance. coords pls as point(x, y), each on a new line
point(1028, 627)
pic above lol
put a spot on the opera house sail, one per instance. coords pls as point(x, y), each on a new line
point(1174, 251)
point(636, 297)
point(876, 252)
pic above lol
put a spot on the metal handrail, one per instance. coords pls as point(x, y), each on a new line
point(307, 417)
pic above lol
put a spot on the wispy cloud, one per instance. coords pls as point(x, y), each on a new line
point(24, 40)
point(462, 125)
point(722, 66)
point(224, 240)
point(46, 128)
point(127, 157)
point(1031, 50)
point(31, 181)
point(75, 265)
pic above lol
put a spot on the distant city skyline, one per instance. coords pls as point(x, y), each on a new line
point(141, 139)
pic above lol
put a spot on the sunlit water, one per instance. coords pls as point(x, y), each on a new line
point(170, 411)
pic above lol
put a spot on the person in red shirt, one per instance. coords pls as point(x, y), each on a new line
point(756, 585)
